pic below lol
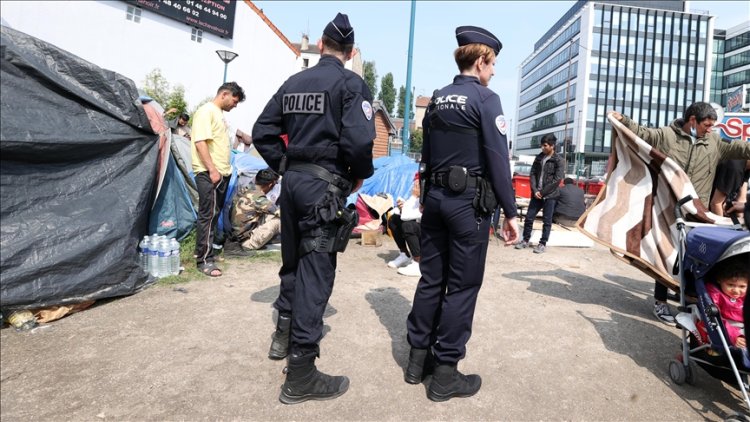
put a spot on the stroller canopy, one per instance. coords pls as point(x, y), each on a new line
point(705, 246)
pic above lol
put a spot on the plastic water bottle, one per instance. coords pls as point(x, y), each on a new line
point(143, 254)
point(174, 257)
point(164, 258)
point(153, 256)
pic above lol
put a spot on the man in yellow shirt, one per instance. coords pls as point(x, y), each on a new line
point(212, 169)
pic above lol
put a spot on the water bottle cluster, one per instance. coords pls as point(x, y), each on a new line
point(159, 255)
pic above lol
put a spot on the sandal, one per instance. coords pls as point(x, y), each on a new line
point(210, 269)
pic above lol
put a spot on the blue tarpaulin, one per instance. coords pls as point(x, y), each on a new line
point(393, 175)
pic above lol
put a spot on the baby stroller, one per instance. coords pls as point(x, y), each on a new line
point(704, 336)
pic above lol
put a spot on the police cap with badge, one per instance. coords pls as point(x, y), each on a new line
point(476, 35)
point(340, 30)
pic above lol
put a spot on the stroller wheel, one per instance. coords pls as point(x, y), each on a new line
point(691, 369)
point(691, 373)
point(677, 371)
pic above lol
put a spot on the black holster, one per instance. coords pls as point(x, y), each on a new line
point(338, 221)
point(331, 237)
point(484, 199)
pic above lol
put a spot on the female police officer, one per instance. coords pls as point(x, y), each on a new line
point(465, 150)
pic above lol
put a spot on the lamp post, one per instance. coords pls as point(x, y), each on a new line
point(407, 114)
point(567, 106)
point(226, 56)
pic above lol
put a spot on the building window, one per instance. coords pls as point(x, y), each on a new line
point(134, 14)
point(305, 63)
point(196, 35)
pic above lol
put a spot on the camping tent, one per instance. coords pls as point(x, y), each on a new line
point(78, 165)
point(393, 175)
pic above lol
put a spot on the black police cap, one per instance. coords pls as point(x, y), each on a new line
point(340, 30)
point(476, 35)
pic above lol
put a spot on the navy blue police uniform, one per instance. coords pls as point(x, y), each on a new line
point(326, 111)
point(464, 128)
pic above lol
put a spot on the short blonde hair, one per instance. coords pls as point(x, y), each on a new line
point(466, 55)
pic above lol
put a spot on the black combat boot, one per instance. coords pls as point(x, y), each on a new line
point(447, 383)
point(304, 381)
point(421, 364)
point(280, 339)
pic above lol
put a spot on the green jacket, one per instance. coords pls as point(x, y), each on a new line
point(699, 160)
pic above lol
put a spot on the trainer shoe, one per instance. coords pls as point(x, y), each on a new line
point(522, 244)
point(411, 270)
point(663, 314)
point(400, 261)
point(539, 248)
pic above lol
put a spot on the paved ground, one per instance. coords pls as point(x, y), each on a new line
point(565, 335)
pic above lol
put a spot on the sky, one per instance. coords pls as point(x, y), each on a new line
point(381, 31)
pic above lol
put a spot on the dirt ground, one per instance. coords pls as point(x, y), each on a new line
point(565, 335)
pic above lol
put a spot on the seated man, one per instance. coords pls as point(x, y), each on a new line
point(570, 204)
point(405, 228)
point(255, 219)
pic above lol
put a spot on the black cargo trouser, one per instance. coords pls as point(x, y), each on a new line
point(306, 280)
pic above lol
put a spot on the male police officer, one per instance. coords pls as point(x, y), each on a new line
point(326, 111)
point(465, 160)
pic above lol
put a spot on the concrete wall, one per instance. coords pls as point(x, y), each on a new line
point(99, 32)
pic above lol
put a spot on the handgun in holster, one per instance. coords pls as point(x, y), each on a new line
point(331, 237)
point(422, 182)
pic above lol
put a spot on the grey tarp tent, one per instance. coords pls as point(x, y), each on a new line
point(77, 171)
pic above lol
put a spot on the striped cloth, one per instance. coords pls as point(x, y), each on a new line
point(633, 214)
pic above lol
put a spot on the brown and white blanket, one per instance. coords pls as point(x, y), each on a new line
point(633, 214)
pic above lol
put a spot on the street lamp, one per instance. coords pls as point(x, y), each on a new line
point(226, 56)
point(567, 106)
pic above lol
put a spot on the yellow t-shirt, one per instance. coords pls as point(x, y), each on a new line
point(209, 127)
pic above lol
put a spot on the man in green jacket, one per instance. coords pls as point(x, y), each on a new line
point(692, 144)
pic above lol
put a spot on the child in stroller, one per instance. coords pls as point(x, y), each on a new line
point(727, 289)
point(711, 333)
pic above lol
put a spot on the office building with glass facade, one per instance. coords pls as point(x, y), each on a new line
point(731, 65)
point(646, 59)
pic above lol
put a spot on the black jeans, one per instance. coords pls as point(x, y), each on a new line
point(210, 201)
point(660, 292)
point(406, 233)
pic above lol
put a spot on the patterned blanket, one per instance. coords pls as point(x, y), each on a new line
point(634, 214)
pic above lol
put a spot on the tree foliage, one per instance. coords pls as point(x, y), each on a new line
point(387, 92)
point(416, 138)
point(402, 101)
point(371, 77)
point(176, 100)
point(158, 87)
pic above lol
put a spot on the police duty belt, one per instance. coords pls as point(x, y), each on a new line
point(335, 182)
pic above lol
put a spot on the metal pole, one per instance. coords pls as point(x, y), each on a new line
point(226, 64)
point(582, 141)
point(567, 106)
point(407, 109)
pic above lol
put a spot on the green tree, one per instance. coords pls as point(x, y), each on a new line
point(387, 92)
point(402, 100)
point(158, 87)
point(371, 77)
point(176, 100)
point(415, 145)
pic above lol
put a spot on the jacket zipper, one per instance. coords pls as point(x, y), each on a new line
point(690, 156)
